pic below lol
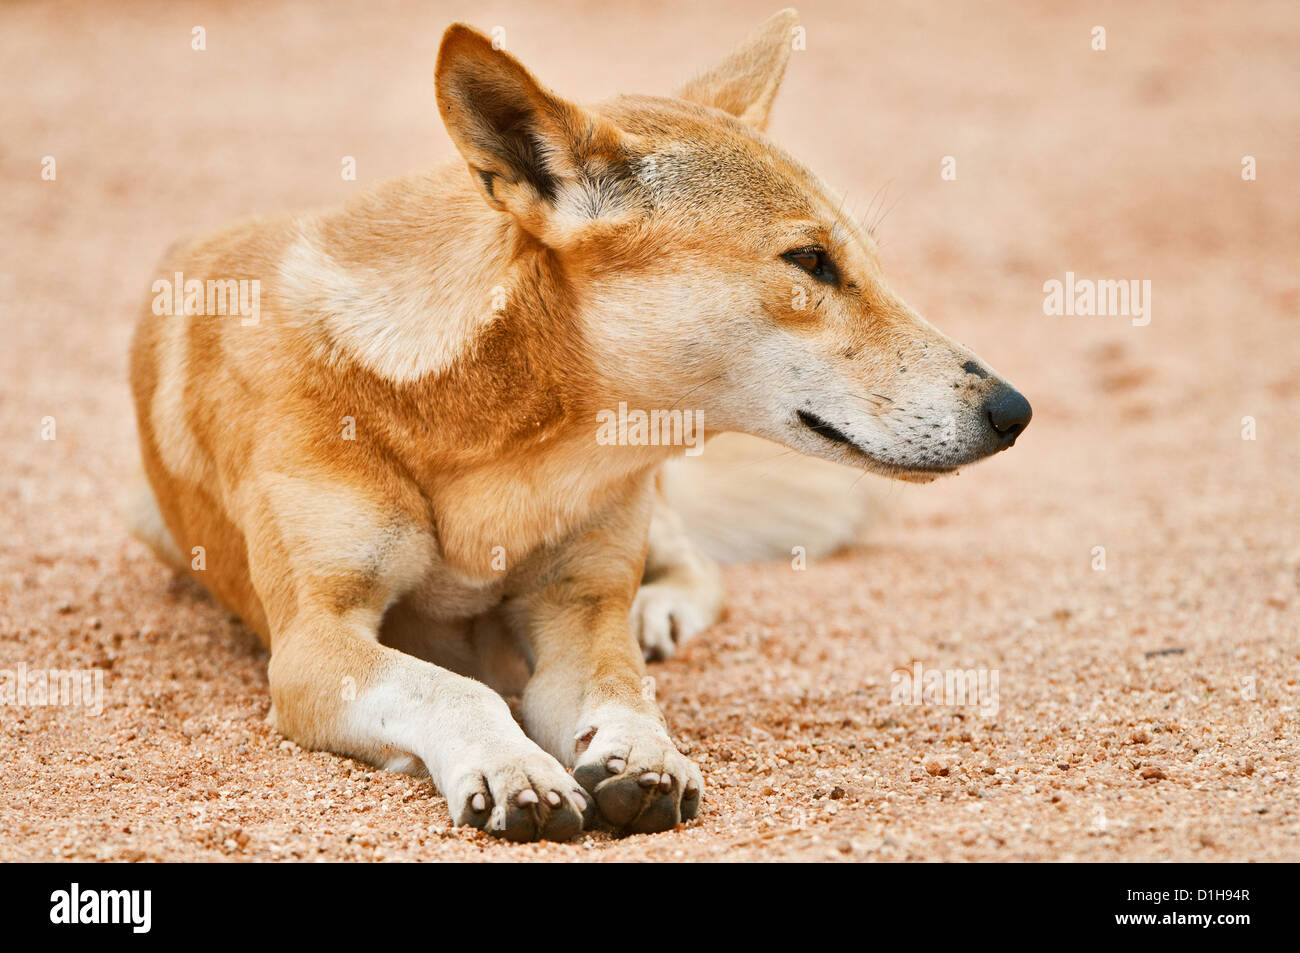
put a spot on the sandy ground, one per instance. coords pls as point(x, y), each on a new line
point(1145, 711)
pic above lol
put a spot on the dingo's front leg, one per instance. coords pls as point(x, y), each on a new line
point(588, 702)
point(335, 687)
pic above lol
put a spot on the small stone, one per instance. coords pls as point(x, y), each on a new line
point(1152, 773)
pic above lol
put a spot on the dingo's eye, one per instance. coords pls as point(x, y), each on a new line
point(815, 261)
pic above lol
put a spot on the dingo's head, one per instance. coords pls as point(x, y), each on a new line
point(712, 271)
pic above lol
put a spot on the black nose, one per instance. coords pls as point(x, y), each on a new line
point(1008, 413)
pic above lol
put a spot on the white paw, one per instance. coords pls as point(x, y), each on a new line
point(520, 793)
point(640, 782)
point(664, 616)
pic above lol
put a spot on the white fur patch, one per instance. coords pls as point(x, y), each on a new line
point(177, 446)
point(401, 325)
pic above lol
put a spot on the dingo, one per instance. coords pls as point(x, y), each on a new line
point(394, 474)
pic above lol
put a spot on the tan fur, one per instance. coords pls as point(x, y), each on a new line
point(392, 473)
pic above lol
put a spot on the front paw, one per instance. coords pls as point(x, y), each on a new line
point(639, 781)
point(518, 795)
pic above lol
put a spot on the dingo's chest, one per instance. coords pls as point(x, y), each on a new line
point(445, 595)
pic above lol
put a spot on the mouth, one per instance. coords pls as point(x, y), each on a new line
point(828, 431)
point(823, 429)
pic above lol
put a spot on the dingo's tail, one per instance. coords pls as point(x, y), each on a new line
point(749, 500)
point(139, 509)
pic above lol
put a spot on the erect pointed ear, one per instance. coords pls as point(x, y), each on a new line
point(745, 83)
point(527, 149)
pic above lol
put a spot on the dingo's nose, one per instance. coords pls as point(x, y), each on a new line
point(1008, 413)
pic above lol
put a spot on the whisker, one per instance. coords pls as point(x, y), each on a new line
point(885, 214)
point(673, 405)
point(867, 222)
point(741, 464)
point(879, 402)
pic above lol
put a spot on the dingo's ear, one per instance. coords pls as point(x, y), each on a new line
point(527, 149)
point(745, 83)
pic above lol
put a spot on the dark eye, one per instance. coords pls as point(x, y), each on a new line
point(815, 261)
